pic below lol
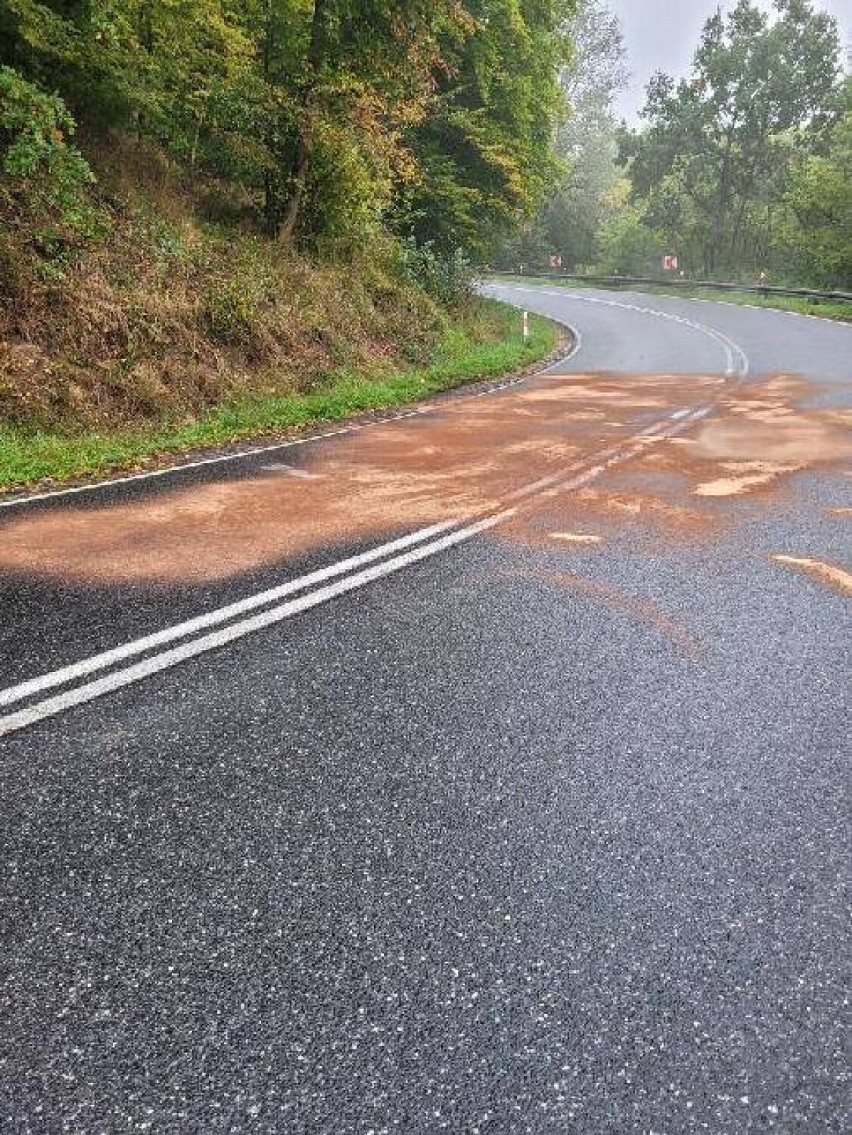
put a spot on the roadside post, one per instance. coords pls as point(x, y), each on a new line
point(526, 328)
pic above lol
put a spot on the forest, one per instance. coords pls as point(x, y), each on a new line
point(216, 204)
point(742, 169)
point(327, 120)
point(213, 209)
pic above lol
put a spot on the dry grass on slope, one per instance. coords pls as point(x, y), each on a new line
point(170, 314)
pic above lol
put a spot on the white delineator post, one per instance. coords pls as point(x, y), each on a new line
point(526, 328)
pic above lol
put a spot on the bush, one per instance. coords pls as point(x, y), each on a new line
point(448, 279)
point(44, 181)
point(239, 292)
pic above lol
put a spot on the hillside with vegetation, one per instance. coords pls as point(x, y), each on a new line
point(210, 204)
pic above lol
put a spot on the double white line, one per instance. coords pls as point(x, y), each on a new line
point(298, 595)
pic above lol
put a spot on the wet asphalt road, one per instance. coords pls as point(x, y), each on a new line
point(528, 837)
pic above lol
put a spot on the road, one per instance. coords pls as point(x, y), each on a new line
point(479, 770)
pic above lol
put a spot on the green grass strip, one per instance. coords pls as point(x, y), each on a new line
point(826, 309)
point(29, 458)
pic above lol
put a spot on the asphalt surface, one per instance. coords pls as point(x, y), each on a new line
point(546, 832)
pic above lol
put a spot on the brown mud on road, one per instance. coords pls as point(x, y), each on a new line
point(640, 610)
point(825, 573)
point(758, 437)
point(453, 462)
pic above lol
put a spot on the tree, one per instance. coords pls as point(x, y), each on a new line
point(331, 115)
point(819, 230)
point(484, 153)
point(717, 144)
point(586, 137)
point(584, 142)
point(44, 206)
point(177, 71)
point(346, 78)
point(626, 244)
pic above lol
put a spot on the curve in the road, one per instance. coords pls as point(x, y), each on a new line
point(736, 359)
point(768, 340)
point(736, 365)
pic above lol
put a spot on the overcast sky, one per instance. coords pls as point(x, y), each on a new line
point(661, 35)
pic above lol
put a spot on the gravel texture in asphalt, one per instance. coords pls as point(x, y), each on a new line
point(546, 833)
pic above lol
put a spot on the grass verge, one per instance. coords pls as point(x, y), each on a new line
point(826, 309)
point(485, 344)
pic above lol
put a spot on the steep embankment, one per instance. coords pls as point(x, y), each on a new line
point(172, 326)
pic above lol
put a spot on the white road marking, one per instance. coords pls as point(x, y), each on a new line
point(725, 303)
point(424, 537)
point(181, 630)
point(292, 471)
point(737, 363)
point(170, 470)
point(413, 548)
point(615, 454)
point(758, 307)
point(151, 474)
point(159, 662)
point(572, 354)
point(736, 359)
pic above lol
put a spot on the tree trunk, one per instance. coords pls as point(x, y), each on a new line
point(271, 181)
point(270, 204)
point(304, 143)
point(298, 178)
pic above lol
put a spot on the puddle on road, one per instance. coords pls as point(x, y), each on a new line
point(464, 457)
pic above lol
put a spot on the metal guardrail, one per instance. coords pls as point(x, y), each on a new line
point(626, 281)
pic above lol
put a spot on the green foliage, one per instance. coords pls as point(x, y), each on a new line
point(818, 230)
point(239, 293)
point(585, 142)
point(485, 341)
point(626, 244)
point(331, 116)
point(484, 155)
point(742, 169)
point(44, 180)
point(715, 157)
point(448, 277)
point(290, 189)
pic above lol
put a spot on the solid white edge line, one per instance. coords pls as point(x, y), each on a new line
point(730, 348)
point(121, 678)
point(748, 307)
point(718, 302)
point(222, 614)
point(572, 354)
point(151, 474)
point(756, 307)
point(170, 470)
